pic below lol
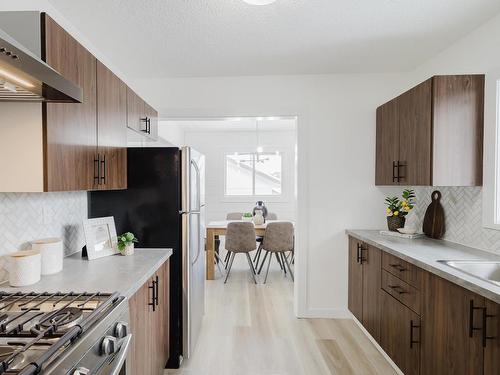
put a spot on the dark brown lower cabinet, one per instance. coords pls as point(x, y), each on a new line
point(149, 324)
point(355, 286)
point(452, 324)
point(400, 334)
point(492, 339)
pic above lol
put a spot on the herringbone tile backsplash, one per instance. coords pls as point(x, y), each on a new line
point(463, 216)
point(28, 216)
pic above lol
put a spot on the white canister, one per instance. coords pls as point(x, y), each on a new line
point(24, 267)
point(51, 250)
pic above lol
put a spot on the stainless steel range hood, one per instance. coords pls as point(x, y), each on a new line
point(25, 77)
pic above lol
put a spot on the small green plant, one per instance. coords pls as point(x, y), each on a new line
point(126, 239)
point(397, 207)
point(247, 214)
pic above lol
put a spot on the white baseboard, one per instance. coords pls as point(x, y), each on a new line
point(325, 314)
point(379, 348)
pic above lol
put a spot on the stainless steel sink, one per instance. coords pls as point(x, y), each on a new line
point(487, 270)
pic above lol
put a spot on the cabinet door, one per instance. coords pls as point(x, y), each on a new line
point(492, 348)
point(136, 116)
point(415, 135)
point(387, 143)
point(139, 360)
point(447, 346)
point(400, 335)
point(161, 331)
point(371, 259)
point(69, 129)
point(111, 129)
point(355, 292)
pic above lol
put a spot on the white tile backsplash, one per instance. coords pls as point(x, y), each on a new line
point(463, 216)
point(28, 216)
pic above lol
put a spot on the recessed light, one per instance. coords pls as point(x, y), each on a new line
point(259, 2)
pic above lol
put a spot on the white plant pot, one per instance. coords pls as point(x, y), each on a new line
point(129, 250)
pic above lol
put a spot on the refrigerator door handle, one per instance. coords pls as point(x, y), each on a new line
point(198, 181)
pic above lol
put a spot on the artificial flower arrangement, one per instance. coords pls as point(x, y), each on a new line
point(398, 208)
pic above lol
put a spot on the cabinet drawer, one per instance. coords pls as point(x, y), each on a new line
point(401, 269)
point(403, 292)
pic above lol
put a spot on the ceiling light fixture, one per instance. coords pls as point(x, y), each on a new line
point(259, 2)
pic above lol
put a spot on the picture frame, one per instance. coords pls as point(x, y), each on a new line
point(100, 237)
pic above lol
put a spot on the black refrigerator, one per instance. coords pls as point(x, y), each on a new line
point(164, 207)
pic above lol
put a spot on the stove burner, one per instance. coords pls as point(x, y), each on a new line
point(65, 318)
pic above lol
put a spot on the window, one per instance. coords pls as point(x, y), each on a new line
point(249, 174)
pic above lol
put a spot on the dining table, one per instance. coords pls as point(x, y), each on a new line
point(219, 228)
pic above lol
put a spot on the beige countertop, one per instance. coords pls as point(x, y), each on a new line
point(425, 253)
point(117, 273)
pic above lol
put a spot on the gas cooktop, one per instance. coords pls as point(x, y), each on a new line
point(36, 329)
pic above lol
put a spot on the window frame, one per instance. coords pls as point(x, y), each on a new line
point(285, 194)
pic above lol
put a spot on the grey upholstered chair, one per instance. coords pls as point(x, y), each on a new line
point(240, 238)
point(278, 239)
point(259, 239)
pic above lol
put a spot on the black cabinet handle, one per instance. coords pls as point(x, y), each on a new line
point(103, 165)
point(145, 120)
point(149, 125)
point(399, 175)
point(412, 340)
point(359, 257)
point(394, 167)
point(97, 170)
point(486, 316)
point(398, 289)
point(399, 267)
point(157, 283)
point(472, 308)
point(152, 287)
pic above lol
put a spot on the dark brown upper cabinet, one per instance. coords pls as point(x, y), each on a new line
point(111, 130)
point(432, 135)
point(141, 117)
point(69, 130)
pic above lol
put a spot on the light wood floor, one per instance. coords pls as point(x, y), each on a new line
point(250, 329)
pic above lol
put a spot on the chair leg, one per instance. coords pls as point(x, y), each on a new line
point(263, 261)
point(289, 269)
point(257, 254)
point(279, 261)
point(283, 262)
point(268, 264)
point(218, 261)
point(252, 271)
point(228, 256)
point(230, 265)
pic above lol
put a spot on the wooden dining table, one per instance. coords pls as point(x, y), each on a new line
point(218, 228)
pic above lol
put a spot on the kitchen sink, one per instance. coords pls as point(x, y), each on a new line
point(487, 270)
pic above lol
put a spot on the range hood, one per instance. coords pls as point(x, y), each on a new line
point(25, 77)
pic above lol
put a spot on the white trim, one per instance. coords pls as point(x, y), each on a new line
point(376, 344)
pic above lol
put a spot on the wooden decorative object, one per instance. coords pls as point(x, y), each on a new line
point(433, 226)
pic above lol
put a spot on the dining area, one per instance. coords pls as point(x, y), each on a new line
point(259, 236)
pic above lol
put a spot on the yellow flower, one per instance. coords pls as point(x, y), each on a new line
point(396, 213)
point(404, 203)
point(388, 211)
point(407, 209)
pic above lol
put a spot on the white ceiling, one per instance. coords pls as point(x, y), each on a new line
point(174, 38)
point(233, 124)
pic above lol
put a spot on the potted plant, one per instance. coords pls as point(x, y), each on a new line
point(247, 216)
point(126, 243)
point(398, 208)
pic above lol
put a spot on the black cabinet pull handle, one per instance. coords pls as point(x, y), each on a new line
point(399, 176)
point(149, 125)
point(97, 170)
point(486, 316)
point(103, 165)
point(412, 340)
point(472, 308)
point(358, 257)
point(398, 289)
point(152, 287)
point(145, 120)
point(157, 283)
point(399, 267)
point(394, 177)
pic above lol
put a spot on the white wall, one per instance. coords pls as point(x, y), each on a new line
point(336, 132)
point(215, 144)
point(171, 132)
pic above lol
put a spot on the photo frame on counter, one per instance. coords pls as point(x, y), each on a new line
point(100, 237)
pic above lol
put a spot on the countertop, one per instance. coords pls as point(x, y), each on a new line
point(425, 253)
point(116, 273)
